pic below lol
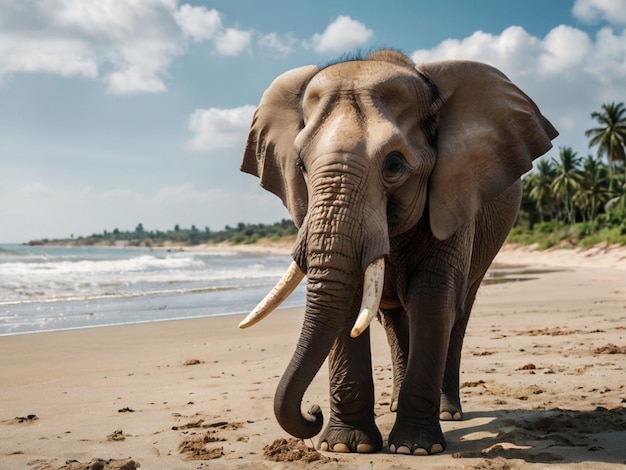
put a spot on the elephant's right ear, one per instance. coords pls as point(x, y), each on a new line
point(270, 152)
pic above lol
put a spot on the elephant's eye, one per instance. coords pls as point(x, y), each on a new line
point(394, 166)
point(300, 165)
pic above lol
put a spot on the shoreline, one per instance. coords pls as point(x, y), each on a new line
point(511, 261)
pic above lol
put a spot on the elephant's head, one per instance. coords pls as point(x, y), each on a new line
point(359, 151)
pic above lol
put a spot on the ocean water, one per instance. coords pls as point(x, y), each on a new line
point(45, 288)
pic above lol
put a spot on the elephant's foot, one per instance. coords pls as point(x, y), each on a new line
point(342, 437)
point(450, 408)
point(413, 437)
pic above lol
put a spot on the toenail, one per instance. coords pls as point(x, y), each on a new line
point(403, 450)
point(342, 448)
point(365, 448)
point(420, 451)
point(436, 449)
point(324, 446)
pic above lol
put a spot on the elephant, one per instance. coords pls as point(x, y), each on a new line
point(404, 181)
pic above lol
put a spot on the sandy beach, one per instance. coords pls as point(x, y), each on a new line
point(543, 383)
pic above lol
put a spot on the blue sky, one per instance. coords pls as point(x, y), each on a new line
point(119, 112)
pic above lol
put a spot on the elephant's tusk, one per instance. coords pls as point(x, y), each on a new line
point(372, 292)
point(276, 296)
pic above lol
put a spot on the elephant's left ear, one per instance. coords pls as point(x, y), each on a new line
point(270, 151)
point(489, 133)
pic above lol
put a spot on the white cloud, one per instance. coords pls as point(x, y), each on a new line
point(342, 35)
point(233, 42)
point(566, 54)
point(514, 48)
point(197, 22)
point(128, 44)
point(592, 11)
point(277, 46)
point(134, 80)
point(200, 24)
point(219, 128)
point(607, 60)
point(564, 48)
point(61, 56)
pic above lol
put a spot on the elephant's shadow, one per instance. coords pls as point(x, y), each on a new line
point(536, 436)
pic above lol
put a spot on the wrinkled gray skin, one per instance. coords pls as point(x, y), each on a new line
point(419, 165)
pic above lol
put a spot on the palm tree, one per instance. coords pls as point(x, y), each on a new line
point(610, 137)
point(618, 202)
point(567, 181)
point(540, 185)
point(593, 188)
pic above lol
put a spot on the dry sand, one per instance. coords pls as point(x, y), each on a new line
point(544, 383)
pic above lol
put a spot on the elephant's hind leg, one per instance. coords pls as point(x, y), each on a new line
point(351, 427)
point(450, 403)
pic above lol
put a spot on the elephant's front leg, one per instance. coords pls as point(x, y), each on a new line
point(417, 430)
point(396, 327)
point(351, 427)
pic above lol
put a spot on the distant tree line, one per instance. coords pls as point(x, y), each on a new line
point(241, 234)
point(576, 199)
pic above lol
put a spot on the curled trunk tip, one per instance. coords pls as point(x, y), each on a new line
point(287, 412)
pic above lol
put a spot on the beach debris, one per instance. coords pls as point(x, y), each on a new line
point(497, 463)
point(610, 349)
point(191, 425)
point(292, 450)
point(25, 419)
point(505, 446)
point(473, 384)
point(195, 447)
point(117, 435)
point(500, 452)
point(192, 362)
point(100, 464)
point(483, 353)
point(126, 410)
point(556, 331)
point(224, 425)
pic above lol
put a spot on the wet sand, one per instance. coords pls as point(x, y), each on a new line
point(543, 383)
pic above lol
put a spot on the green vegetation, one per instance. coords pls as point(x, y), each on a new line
point(242, 234)
point(572, 200)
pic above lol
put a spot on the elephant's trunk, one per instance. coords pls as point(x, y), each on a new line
point(316, 340)
point(334, 248)
point(332, 288)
